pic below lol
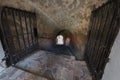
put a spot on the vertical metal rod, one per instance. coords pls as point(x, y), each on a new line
point(91, 35)
point(9, 37)
point(5, 38)
point(95, 36)
point(36, 28)
point(107, 30)
point(110, 39)
point(89, 41)
point(27, 29)
point(31, 28)
point(9, 29)
point(19, 14)
point(97, 46)
point(101, 35)
point(116, 24)
point(87, 55)
point(88, 37)
point(16, 29)
point(104, 37)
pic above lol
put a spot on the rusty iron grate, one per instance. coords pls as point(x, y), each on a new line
point(104, 26)
point(19, 29)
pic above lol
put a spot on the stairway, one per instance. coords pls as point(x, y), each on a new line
point(51, 66)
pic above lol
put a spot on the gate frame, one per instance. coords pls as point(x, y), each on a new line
point(95, 74)
point(9, 57)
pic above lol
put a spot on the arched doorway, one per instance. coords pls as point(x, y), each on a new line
point(64, 42)
point(64, 37)
point(60, 40)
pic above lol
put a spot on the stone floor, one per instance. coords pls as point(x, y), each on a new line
point(13, 73)
point(1, 57)
point(1, 68)
point(45, 65)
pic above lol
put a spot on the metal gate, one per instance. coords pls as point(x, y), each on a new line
point(19, 29)
point(104, 26)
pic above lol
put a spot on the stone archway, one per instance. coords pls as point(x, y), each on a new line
point(67, 37)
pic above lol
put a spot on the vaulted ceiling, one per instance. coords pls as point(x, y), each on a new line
point(53, 15)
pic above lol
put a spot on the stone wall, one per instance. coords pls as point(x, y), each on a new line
point(53, 15)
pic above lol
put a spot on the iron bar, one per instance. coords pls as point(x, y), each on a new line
point(20, 20)
point(103, 35)
point(110, 18)
point(103, 30)
point(96, 35)
point(31, 28)
point(112, 34)
point(13, 15)
point(19, 14)
point(9, 29)
point(5, 37)
point(27, 30)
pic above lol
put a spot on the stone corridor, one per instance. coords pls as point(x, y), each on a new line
point(44, 65)
point(68, 18)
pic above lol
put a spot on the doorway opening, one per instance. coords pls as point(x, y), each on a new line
point(64, 37)
point(67, 41)
point(60, 40)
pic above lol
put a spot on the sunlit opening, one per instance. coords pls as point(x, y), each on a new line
point(60, 40)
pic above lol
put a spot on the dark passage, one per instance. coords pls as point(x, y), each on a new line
point(62, 49)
